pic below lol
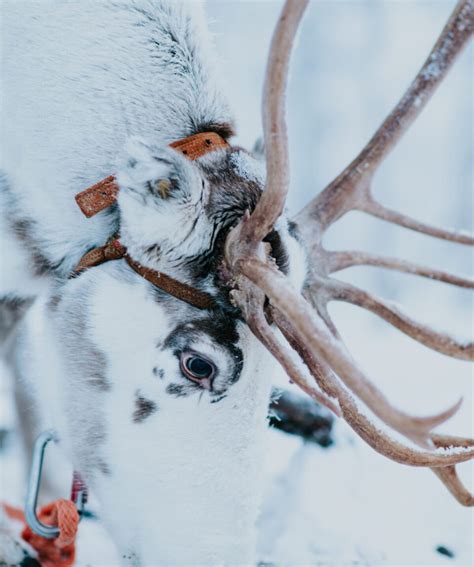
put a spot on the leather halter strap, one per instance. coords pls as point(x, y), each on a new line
point(114, 250)
point(104, 194)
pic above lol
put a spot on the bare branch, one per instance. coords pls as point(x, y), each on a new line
point(341, 260)
point(440, 342)
point(380, 211)
point(319, 340)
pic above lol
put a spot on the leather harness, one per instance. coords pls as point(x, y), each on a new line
point(104, 194)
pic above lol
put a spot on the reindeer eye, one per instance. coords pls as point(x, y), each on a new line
point(197, 368)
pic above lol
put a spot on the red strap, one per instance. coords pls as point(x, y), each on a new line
point(59, 552)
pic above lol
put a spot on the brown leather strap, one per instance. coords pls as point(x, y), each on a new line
point(114, 250)
point(194, 147)
point(177, 289)
point(104, 193)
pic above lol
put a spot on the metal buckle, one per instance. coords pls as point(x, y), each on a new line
point(78, 495)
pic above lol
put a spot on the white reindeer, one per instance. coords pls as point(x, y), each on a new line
point(161, 404)
point(155, 401)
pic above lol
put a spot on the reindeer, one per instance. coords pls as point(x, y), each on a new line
point(158, 319)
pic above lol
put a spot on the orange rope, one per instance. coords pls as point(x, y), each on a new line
point(59, 552)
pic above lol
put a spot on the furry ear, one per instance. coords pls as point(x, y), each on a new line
point(137, 148)
point(143, 162)
point(151, 173)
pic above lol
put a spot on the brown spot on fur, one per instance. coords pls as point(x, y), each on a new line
point(143, 408)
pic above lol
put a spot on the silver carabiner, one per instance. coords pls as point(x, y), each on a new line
point(79, 496)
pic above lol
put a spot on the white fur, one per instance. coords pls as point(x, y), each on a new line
point(78, 79)
point(183, 485)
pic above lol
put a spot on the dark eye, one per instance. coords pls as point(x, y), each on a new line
point(197, 369)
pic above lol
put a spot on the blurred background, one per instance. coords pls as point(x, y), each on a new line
point(353, 61)
point(346, 505)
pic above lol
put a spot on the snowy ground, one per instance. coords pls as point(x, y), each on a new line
point(347, 505)
point(340, 506)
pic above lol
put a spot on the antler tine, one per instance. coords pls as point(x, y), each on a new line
point(463, 449)
point(250, 300)
point(351, 189)
point(247, 236)
point(310, 332)
point(372, 207)
point(321, 341)
point(448, 475)
point(441, 342)
point(272, 202)
point(262, 330)
point(337, 261)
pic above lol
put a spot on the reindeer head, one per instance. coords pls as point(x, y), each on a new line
point(175, 214)
point(220, 225)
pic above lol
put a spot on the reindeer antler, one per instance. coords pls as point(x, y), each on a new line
point(303, 319)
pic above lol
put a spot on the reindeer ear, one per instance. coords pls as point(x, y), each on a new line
point(145, 165)
point(137, 148)
point(135, 162)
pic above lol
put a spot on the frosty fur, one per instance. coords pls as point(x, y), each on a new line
point(94, 88)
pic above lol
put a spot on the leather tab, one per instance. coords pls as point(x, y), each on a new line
point(193, 147)
point(104, 193)
point(98, 197)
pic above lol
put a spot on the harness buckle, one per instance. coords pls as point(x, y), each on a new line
point(78, 491)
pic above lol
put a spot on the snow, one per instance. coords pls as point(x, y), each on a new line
point(347, 505)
